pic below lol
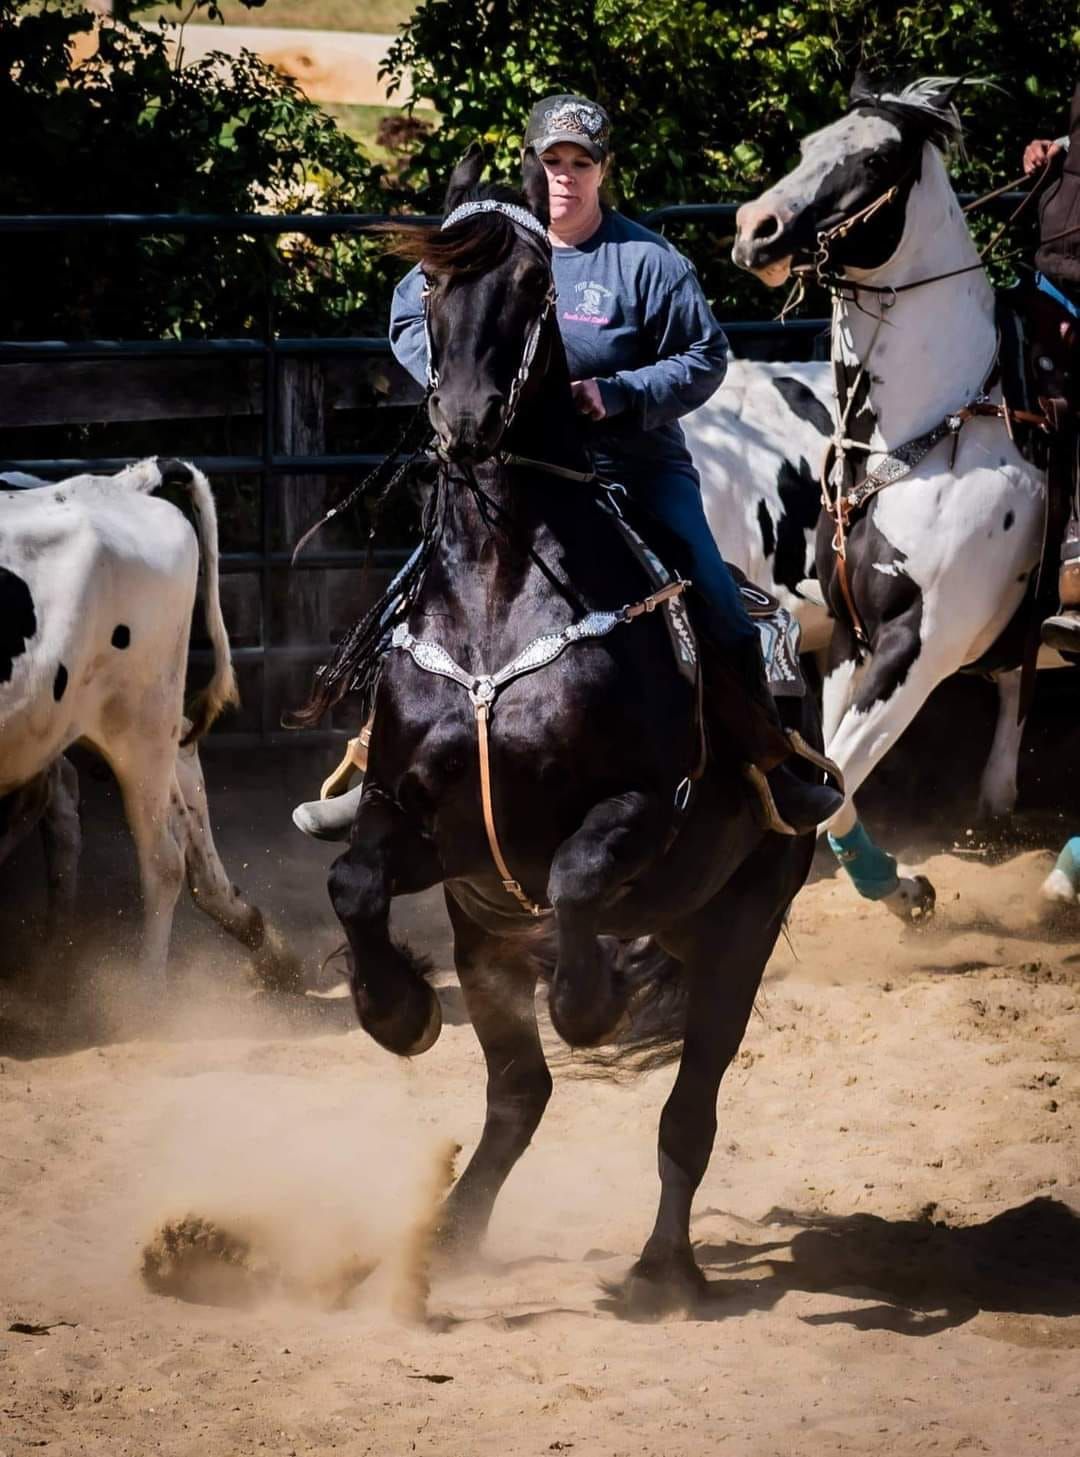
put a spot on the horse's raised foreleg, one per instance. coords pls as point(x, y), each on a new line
point(724, 949)
point(388, 855)
point(865, 715)
point(498, 978)
point(617, 839)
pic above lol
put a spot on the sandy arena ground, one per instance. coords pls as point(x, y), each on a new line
point(888, 1223)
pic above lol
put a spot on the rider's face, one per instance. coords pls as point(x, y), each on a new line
point(573, 181)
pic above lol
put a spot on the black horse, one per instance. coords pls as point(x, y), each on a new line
point(589, 756)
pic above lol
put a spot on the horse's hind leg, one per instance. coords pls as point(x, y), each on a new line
point(387, 856)
point(724, 949)
point(618, 838)
point(498, 980)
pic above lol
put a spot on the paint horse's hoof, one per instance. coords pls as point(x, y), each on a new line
point(913, 901)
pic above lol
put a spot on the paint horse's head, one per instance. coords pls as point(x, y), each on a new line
point(871, 155)
point(489, 304)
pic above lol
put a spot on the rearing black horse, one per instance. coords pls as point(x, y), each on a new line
point(587, 755)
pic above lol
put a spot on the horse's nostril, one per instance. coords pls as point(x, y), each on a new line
point(768, 228)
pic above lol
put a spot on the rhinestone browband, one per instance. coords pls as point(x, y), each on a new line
point(520, 215)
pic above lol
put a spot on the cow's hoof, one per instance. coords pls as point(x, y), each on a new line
point(913, 901)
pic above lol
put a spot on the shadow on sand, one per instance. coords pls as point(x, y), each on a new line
point(923, 1276)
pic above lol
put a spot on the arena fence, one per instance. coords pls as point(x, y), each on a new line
point(272, 354)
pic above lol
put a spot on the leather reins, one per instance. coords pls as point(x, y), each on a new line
point(841, 504)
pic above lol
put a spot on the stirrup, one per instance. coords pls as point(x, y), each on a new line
point(354, 762)
point(771, 816)
point(813, 756)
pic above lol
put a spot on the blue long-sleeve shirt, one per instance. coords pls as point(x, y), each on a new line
point(633, 317)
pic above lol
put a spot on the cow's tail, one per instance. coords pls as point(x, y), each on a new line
point(221, 692)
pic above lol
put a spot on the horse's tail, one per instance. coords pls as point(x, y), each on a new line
point(221, 692)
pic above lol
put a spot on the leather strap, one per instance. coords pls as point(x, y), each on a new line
point(483, 691)
point(487, 804)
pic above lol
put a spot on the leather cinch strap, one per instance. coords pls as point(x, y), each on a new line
point(483, 691)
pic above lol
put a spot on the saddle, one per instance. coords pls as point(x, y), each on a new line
point(1040, 344)
point(777, 629)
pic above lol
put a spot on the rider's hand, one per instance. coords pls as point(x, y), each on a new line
point(587, 400)
point(1038, 153)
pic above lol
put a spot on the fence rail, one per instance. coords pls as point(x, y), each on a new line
point(273, 356)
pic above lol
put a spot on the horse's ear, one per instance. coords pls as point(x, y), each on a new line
point(465, 176)
point(861, 88)
point(534, 184)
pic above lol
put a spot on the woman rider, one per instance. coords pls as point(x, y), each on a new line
point(643, 349)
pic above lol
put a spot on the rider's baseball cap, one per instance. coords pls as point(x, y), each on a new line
point(567, 118)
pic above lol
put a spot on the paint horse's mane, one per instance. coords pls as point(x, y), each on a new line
point(928, 102)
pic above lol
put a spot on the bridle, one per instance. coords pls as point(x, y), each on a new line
point(531, 225)
point(842, 502)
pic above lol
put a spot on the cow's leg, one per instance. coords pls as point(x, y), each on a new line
point(617, 839)
point(498, 979)
point(387, 856)
point(866, 712)
point(145, 770)
point(724, 949)
point(997, 789)
point(61, 835)
point(212, 890)
point(21, 811)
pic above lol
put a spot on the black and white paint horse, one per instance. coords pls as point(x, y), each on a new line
point(759, 446)
point(98, 578)
point(939, 561)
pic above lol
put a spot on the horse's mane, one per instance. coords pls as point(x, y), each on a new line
point(474, 245)
point(929, 103)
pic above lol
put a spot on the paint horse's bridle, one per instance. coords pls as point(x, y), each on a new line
point(839, 502)
point(521, 217)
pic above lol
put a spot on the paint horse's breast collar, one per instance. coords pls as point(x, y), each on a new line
point(483, 689)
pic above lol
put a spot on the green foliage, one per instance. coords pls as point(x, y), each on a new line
point(127, 130)
point(371, 15)
point(710, 101)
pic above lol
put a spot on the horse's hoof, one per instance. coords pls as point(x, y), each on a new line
point(1057, 890)
point(662, 1290)
point(411, 1028)
point(590, 1025)
point(914, 900)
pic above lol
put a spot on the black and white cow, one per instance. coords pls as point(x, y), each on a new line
point(759, 446)
point(98, 578)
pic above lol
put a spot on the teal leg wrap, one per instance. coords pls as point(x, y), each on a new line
point(1068, 862)
point(872, 870)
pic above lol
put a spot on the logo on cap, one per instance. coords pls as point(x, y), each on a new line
point(573, 117)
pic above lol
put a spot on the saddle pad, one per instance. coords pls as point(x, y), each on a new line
point(777, 629)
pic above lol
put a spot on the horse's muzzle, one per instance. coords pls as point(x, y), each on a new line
point(469, 431)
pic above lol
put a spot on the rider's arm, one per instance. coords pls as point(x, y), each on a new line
point(408, 339)
point(691, 359)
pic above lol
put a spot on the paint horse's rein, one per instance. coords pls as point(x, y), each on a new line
point(841, 503)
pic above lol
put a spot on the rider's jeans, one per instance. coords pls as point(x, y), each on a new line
point(673, 496)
